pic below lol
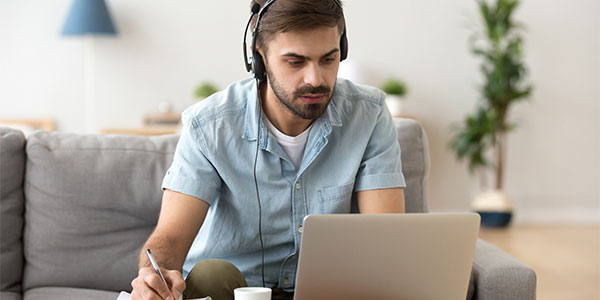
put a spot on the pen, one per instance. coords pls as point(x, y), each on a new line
point(157, 269)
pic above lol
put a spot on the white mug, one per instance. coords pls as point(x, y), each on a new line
point(252, 293)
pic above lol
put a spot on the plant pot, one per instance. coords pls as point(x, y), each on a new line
point(394, 104)
point(494, 207)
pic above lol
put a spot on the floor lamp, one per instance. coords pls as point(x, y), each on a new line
point(88, 18)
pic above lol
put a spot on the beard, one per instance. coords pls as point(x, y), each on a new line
point(292, 102)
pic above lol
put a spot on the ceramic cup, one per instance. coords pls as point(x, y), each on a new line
point(252, 293)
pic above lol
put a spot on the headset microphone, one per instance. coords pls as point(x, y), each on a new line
point(255, 10)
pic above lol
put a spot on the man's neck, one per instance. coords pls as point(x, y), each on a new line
point(284, 120)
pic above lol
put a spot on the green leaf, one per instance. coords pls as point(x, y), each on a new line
point(204, 90)
point(394, 86)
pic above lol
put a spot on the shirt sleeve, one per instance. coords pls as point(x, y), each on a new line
point(191, 172)
point(381, 167)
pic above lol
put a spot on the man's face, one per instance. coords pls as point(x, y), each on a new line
point(302, 68)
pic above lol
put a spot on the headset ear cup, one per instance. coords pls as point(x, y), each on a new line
point(343, 46)
point(258, 66)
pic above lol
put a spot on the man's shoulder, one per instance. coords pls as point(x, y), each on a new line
point(352, 91)
point(227, 104)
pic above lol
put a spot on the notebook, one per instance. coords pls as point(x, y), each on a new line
point(127, 296)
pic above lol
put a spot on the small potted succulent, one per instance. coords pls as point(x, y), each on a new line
point(395, 90)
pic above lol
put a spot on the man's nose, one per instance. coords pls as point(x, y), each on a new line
point(312, 75)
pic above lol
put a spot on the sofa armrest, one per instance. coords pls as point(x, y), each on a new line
point(498, 275)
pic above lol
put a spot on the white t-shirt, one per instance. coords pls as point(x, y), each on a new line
point(293, 146)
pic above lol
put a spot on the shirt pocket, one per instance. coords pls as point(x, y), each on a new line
point(336, 199)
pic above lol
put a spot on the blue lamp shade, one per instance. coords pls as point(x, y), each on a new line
point(88, 17)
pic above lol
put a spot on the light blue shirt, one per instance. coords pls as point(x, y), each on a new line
point(352, 147)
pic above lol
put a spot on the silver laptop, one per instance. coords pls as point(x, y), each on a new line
point(389, 256)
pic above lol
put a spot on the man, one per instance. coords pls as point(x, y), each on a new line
point(316, 143)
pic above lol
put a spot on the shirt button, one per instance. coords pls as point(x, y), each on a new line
point(297, 186)
point(300, 229)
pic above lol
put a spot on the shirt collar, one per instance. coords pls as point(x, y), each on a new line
point(332, 115)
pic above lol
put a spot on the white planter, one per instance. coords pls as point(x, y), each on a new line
point(394, 104)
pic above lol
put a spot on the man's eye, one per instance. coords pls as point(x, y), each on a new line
point(328, 60)
point(295, 62)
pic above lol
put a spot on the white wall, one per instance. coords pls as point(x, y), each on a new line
point(165, 48)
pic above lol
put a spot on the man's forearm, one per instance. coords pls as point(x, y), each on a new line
point(381, 201)
point(166, 251)
point(180, 219)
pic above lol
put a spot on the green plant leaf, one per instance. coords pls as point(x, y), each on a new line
point(204, 90)
point(394, 86)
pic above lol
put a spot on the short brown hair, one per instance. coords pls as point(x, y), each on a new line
point(291, 15)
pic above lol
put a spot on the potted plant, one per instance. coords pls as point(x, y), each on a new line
point(481, 138)
point(204, 90)
point(395, 90)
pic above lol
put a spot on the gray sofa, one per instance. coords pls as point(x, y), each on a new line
point(75, 210)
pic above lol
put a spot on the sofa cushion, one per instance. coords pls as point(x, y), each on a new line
point(56, 293)
point(12, 165)
point(415, 163)
point(91, 202)
point(10, 296)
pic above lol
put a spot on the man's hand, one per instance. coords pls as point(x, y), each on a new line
point(149, 286)
point(180, 219)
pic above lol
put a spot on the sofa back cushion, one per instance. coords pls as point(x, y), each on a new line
point(12, 166)
point(415, 163)
point(91, 202)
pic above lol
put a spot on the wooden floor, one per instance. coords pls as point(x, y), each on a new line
point(566, 258)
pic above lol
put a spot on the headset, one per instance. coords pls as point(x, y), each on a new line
point(257, 66)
